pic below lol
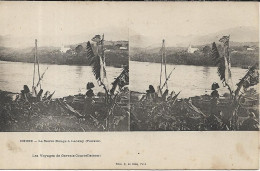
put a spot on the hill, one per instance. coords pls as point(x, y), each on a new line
point(240, 56)
point(237, 34)
point(72, 55)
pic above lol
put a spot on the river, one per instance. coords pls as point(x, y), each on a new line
point(190, 80)
point(70, 80)
point(63, 79)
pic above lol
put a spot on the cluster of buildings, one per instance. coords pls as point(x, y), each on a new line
point(117, 45)
point(246, 48)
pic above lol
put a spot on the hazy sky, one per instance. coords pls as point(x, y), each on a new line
point(193, 17)
point(170, 20)
point(56, 23)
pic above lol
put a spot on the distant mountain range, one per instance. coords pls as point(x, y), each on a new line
point(72, 46)
point(237, 34)
point(123, 43)
point(46, 39)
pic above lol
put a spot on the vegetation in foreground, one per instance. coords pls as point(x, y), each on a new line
point(192, 114)
point(66, 114)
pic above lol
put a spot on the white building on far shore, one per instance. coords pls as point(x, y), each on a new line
point(192, 50)
point(63, 49)
point(123, 48)
point(250, 48)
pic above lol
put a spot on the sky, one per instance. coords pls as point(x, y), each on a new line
point(59, 23)
point(174, 21)
point(194, 17)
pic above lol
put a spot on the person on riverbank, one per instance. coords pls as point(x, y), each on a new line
point(214, 121)
point(25, 93)
point(150, 93)
point(214, 98)
point(90, 92)
point(88, 106)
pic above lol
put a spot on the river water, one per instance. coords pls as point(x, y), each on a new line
point(190, 80)
point(70, 80)
point(63, 79)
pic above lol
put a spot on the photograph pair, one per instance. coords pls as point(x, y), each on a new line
point(91, 67)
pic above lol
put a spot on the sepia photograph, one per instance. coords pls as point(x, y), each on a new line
point(129, 85)
point(195, 69)
point(63, 70)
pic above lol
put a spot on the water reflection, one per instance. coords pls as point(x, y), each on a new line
point(63, 79)
point(190, 80)
point(79, 71)
point(205, 71)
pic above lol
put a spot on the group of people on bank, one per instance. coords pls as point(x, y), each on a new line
point(151, 94)
point(33, 96)
point(215, 120)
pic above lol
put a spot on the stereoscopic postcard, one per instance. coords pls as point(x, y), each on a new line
point(129, 85)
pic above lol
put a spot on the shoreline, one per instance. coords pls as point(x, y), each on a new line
point(240, 67)
point(71, 113)
point(115, 66)
point(190, 114)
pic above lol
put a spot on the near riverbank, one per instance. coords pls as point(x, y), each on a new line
point(67, 114)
